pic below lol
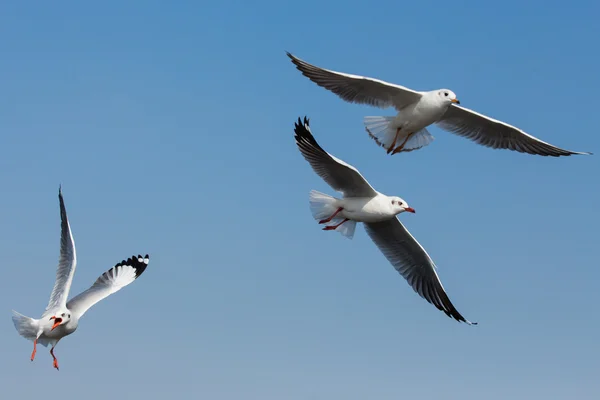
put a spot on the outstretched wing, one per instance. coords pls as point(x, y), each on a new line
point(496, 134)
point(108, 283)
point(66, 262)
point(411, 260)
point(358, 89)
point(339, 175)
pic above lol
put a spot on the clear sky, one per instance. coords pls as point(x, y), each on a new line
point(170, 127)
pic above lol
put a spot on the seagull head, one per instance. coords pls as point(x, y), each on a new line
point(448, 96)
point(400, 206)
point(60, 318)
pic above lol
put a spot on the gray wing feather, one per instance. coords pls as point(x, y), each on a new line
point(411, 260)
point(339, 175)
point(496, 134)
point(66, 263)
point(358, 89)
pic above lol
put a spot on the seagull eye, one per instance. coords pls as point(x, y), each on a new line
point(62, 315)
point(446, 94)
point(69, 315)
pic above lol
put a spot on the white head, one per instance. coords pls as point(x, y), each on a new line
point(60, 318)
point(447, 96)
point(400, 206)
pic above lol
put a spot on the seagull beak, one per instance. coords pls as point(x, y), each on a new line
point(57, 322)
point(410, 209)
point(455, 101)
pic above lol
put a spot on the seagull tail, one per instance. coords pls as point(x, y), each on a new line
point(27, 327)
point(322, 205)
point(346, 229)
point(380, 129)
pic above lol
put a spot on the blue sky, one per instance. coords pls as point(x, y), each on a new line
point(170, 127)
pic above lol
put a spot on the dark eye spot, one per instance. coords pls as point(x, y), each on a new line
point(446, 94)
point(62, 315)
point(69, 315)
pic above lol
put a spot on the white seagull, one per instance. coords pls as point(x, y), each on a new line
point(362, 203)
point(407, 131)
point(61, 318)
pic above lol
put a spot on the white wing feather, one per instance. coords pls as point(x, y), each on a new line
point(358, 89)
point(113, 280)
point(66, 263)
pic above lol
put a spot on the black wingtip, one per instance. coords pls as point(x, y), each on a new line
point(302, 130)
point(138, 263)
point(304, 136)
point(302, 125)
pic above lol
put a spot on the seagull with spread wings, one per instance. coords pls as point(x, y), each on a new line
point(61, 318)
point(407, 131)
point(362, 203)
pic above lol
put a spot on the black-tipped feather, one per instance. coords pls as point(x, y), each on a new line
point(338, 174)
point(409, 258)
point(138, 263)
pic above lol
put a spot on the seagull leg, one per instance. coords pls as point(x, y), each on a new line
point(401, 147)
point(34, 349)
point(334, 227)
point(389, 150)
point(323, 221)
point(55, 361)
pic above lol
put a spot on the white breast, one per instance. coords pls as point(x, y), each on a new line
point(372, 209)
point(428, 110)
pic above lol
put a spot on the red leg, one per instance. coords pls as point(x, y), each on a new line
point(55, 361)
point(334, 227)
point(34, 349)
point(389, 150)
point(332, 216)
point(401, 147)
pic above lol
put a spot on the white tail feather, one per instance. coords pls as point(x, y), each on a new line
point(322, 205)
point(27, 327)
point(381, 130)
point(346, 229)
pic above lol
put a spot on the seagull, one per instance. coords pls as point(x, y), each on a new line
point(61, 318)
point(362, 203)
point(407, 131)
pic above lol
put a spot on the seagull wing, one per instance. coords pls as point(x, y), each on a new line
point(108, 283)
point(358, 89)
point(496, 134)
point(411, 260)
point(339, 175)
point(67, 262)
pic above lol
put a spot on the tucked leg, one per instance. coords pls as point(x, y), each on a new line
point(389, 150)
point(401, 147)
point(323, 221)
point(34, 349)
point(334, 227)
point(55, 361)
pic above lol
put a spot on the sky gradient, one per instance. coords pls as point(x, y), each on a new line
point(170, 128)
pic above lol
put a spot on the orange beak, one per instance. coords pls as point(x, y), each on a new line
point(57, 322)
point(455, 101)
point(410, 209)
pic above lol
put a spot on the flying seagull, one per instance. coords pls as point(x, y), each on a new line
point(61, 318)
point(362, 203)
point(407, 131)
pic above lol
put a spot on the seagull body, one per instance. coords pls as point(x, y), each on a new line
point(378, 212)
point(367, 209)
point(407, 131)
point(61, 318)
